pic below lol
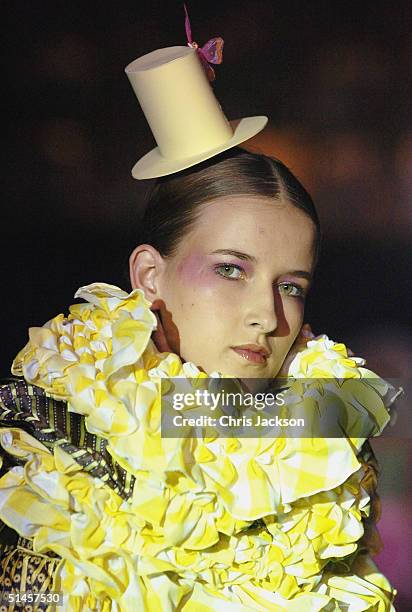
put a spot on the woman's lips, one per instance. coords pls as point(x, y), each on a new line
point(249, 355)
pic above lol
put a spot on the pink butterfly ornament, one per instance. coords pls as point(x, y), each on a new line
point(210, 53)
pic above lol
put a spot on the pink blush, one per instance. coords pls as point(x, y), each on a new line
point(194, 270)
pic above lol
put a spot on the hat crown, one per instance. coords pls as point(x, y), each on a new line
point(178, 101)
point(156, 58)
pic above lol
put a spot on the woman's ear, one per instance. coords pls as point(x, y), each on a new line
point(145, 267)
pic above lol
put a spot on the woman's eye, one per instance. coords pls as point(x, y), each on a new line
point(230, 271)
point(292, 290)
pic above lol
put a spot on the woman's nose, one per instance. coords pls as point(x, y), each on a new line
point(261, 311)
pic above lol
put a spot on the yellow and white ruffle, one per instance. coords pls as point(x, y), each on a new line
point(249, 524)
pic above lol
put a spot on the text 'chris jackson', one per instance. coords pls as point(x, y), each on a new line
point(226, 420)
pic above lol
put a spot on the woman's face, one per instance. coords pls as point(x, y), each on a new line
point(234, 292)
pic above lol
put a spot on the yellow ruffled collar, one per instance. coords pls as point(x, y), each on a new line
point(193, 498)
point(102, 361)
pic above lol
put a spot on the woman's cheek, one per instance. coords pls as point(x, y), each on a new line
point(294, 309)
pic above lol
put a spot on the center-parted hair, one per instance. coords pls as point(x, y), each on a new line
point(174, 204)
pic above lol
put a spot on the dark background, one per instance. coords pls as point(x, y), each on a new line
point(335, 80)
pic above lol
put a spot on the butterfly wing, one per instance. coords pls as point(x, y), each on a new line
point(210, 73)
point(187, 26)
point(210, 53)
point(213, 50)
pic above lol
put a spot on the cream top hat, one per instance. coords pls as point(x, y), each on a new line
point(183, 113)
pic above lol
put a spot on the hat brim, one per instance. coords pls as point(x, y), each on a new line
point(154, 165)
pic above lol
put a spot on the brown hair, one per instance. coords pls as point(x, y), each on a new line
point(174, 202)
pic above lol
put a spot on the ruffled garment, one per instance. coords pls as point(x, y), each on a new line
point(241, 523)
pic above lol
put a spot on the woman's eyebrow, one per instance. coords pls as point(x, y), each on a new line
point(238, 254)
point(241, 255)
point(301, 274)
